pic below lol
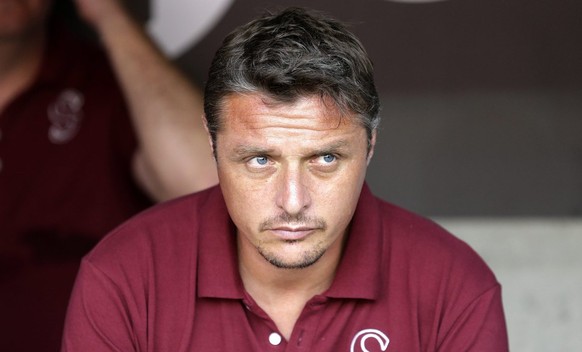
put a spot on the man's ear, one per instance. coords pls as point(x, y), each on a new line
point(371, 147)
point(208, 134)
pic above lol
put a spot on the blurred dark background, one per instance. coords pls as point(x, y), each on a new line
point(482, 99)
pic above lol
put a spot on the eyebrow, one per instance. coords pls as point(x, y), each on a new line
point(244, 150)
point(332, 147)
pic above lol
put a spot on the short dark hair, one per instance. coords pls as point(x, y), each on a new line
point(289, 55)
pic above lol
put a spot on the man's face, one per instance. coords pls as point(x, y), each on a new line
point(19, 17)
point(291, 175)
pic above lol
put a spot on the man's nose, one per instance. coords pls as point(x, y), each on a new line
point(293, 193)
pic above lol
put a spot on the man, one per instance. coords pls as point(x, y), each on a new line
point(292, 251)
point(71, 165)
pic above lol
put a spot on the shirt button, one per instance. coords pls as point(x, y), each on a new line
point(275, 339)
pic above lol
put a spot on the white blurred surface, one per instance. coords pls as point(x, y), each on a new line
point(176, 25)
point(539, 264)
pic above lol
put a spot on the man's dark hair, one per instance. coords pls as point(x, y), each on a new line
point(290, 55)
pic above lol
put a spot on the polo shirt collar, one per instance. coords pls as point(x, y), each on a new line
point(359, 272)
point(357, 276)
point(218, 275)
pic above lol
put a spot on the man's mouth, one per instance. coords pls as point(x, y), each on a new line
point(291, 233)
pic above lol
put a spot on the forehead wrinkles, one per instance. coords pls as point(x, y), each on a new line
point(256, 111)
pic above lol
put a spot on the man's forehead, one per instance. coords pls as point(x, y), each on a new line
point(250, 105)
point(253, 125)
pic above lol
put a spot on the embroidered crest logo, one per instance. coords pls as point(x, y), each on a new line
point(360, 341)
point(65, 115)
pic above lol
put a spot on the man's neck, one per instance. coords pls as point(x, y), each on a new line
point(19, 63)
point(283, 293)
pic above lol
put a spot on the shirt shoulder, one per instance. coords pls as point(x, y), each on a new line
point(164, 232)
point(433, 252)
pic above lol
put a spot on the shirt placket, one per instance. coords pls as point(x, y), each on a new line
point(265, 331)
point(304, 332)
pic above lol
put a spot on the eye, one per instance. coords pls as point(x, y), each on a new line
point(258, 161)
point(326, 162)
point(261, 160)
point(328, 158)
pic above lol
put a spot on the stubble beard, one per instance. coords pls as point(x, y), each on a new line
point(307, 259)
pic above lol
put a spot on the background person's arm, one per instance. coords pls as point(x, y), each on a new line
point(174, 155)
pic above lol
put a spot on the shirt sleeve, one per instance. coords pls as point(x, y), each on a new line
point(480, 327)
point(98, 317)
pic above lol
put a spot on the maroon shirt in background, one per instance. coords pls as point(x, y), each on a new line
point(168, 280)
point(66, 145)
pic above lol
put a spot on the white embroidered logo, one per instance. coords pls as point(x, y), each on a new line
point(65, 115)
point(366, 334)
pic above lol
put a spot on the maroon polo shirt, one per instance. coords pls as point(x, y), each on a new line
point(66, 145)
point(168, 280)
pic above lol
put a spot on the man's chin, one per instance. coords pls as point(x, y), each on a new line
point(304, 261)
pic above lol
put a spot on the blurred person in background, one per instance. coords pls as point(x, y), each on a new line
point(88, 138)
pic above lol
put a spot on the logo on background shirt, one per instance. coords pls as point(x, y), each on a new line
point(65, 115)
point(360, 344)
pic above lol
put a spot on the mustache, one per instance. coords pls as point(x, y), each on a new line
point(296, 220)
